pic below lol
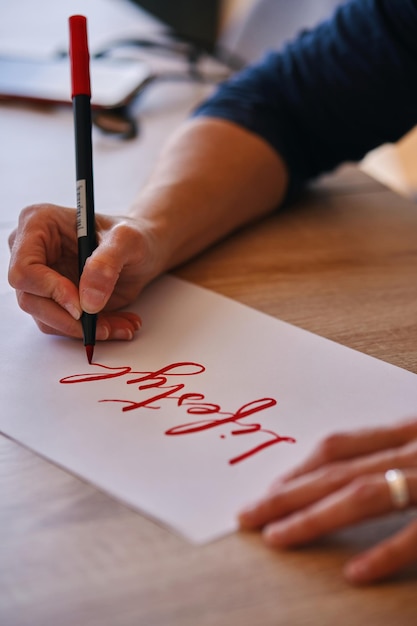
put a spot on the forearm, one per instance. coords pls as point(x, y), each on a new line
point(211, 178)
point(332, 93)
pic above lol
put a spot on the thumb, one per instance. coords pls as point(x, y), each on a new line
point(98, 279)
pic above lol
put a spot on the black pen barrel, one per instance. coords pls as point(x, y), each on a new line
point(84, 173)
point(86, 230)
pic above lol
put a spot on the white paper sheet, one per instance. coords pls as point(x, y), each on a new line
point(250, 361)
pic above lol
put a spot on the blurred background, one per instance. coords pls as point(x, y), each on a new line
point(234, 32)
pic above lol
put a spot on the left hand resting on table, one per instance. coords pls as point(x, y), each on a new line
point(343, 482)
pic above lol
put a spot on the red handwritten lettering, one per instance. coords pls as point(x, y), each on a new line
point(193, 403)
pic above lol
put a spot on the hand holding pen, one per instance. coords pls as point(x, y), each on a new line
point(55, 277)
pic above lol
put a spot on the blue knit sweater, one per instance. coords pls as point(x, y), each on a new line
point(333, 93)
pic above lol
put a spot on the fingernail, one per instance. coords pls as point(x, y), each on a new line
point(357, 570)
point(248, 510)
point(274, 533)
point(249, 516)
point(92, 300)
point(124, 334)
point(137, 324)
point(73, 310)
point(275, 486)
point(102, 332)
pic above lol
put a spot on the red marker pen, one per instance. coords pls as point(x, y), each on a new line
point(81, 99)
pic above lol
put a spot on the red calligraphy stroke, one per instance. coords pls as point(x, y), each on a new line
point(193, 403)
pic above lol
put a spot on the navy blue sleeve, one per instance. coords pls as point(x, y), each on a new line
point(335, 92)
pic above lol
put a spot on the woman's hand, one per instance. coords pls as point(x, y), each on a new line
point(44, 271)
point(211, 178)
point(342, 483)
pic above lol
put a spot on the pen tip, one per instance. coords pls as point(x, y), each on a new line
point(89, 351)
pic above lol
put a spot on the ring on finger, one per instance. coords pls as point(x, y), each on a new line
point(398, 488)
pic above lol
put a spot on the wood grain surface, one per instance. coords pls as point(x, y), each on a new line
point(341, 262)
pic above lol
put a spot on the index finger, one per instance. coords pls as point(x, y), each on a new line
point(36, 245)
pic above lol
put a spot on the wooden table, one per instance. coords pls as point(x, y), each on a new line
point(342, 262)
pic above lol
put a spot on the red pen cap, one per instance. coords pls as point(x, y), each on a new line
point(79, 56)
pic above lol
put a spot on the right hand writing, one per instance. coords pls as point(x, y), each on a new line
point(44, 271)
